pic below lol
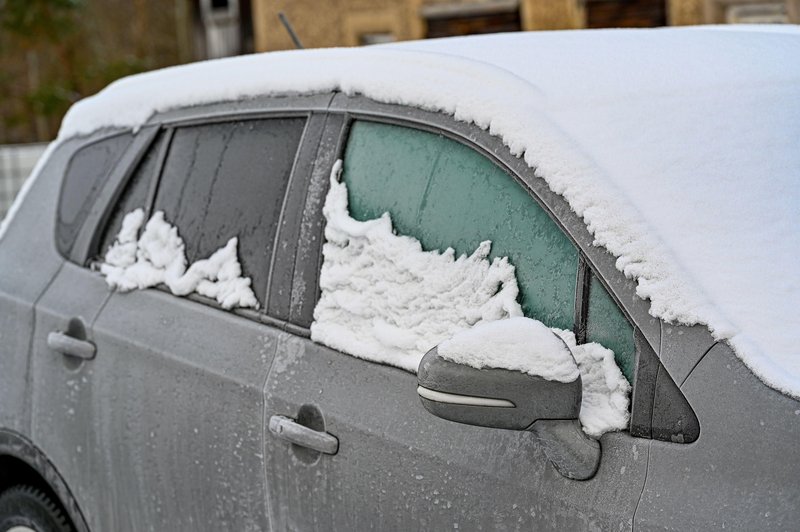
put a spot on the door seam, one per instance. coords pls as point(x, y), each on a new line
point(30, 351)
point(644, 486)
point(694, 366)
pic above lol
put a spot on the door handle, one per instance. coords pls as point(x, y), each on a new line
point(292, 431)
point(67, 345)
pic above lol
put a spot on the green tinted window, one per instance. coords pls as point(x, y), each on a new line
point(607, 325)
point(448, 195)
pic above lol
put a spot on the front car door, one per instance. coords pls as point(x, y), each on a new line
point(447, 185)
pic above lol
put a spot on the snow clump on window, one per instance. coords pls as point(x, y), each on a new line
point(158, 257)
point(387, 300)
point(606, 391)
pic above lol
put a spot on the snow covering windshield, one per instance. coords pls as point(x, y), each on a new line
point(678, 147)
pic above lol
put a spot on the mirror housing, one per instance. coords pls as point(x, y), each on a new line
point(515, 399)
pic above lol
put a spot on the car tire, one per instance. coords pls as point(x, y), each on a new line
point(24, 507)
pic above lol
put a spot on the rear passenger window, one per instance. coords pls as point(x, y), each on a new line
point(608, 326)
point(229, 179)
point(446, 194)
point(85, 176)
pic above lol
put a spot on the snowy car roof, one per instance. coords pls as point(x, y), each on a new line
point(680, 148)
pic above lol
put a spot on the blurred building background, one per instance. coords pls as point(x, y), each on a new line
point(54, 52)
point(359, 22)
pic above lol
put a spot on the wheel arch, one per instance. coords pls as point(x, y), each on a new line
point(21, 462)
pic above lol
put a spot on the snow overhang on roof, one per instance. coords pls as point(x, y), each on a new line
point(679, 148)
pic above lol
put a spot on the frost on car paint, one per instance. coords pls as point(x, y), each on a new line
point(158, 257)
point(387, 300)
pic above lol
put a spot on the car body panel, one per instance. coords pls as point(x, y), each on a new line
point(682, 347)
point(399, 468)
point(64, 423)
point(178, 407)
point(28, 260)
point(742, 472)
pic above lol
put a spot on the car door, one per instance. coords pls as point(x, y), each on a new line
point(164, 424)
point(395, 465)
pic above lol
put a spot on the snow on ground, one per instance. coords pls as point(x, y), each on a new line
point(385, 299)
point(678, 147)
point(158, 257)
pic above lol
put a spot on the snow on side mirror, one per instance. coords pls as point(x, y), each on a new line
point(512, 374)
point(504, 374)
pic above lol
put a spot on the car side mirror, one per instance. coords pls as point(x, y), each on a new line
point(493, 397)
point(512, 399)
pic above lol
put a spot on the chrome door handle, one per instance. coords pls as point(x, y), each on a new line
point(290, 430)
point(67, 345)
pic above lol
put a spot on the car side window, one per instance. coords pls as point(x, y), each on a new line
point(84, 178)
point(446, 194)
point(229, 179)
point(608, 326)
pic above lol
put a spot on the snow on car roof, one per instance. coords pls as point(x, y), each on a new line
point(680, 148)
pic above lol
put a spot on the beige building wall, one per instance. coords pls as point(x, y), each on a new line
point(323, 23)
point(686, 12)
point(552, 14)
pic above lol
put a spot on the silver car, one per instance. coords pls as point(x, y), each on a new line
point(134, 408)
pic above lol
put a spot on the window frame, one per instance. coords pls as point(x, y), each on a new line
point(308, 108)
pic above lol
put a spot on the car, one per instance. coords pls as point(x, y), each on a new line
point(500, 282)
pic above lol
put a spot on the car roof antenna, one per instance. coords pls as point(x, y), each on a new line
point(292, 34)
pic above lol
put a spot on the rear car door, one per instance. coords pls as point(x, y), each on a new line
point(162, 428)
point(396, 466)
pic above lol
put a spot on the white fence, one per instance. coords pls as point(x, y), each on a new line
point(16, 163)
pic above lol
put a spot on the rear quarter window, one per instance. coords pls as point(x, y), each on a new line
point(83, 180)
